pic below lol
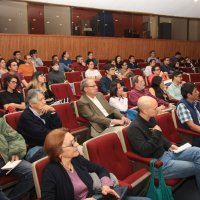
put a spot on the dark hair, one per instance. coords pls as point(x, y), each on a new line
point(178, 53)
point(176, 73)
point(153, 69)
point(89, 52)
point(15, 52)
point(52, 57)
point(187, 88)
point(156, 81)
point(53, 143)
point(165, 58)
point(117, 57)
point(64, 52)
point(108, 66)
point(152, 51)
point(152, 61)
point(25, 56)
point(8, 79)
point(32, 51)
point(36, 74)
point(130, 57)
point(8, 64)
point(88, 61)
point(113, 88)
point(77, 57)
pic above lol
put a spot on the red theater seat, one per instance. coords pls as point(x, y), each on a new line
point(12, 119)
point(73, 76)
point(106, 150)
point(62, 91)
point(43, 69)
point(37, 169)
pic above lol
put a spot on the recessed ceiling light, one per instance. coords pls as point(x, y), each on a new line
point(48, 22)
point(5, 29)
point(60, 24)
point(32, 28)
point(34, 20)
point(196, 0)
point(98, 20)
point(72, 22)
point(116, 20)
point(57, 16)
point(77, 16)
point(9, 19)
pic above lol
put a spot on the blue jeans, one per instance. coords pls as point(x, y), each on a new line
point(137, 198)
point(25, 180)
point(183, 164)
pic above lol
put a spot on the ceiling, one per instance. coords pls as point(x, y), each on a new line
point(178, 8)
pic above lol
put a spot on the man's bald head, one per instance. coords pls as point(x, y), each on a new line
point(146, 103)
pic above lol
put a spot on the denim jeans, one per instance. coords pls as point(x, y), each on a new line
point(25, 180)
point(35, 153)
point(183, 164)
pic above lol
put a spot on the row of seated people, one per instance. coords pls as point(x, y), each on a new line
point(93, 106)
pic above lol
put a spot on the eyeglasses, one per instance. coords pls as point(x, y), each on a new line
point(13, 82)
point(157, 69)
point(91, 86)
point(74, 141)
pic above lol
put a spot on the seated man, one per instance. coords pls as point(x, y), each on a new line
point(27, 68)
point(166, 67)
point(140, 90)
point(152, 55)
point(37, 120)
point(62, 67)
point(132, 63)
point(37, 62)
point(80, 65)
point(13, 147)
point(17, 57)
point(175, 88)
point(148, 69)
point(105, 81)
point(188, 110)
point(12, 68)
point(146, 139)
point(93, 106)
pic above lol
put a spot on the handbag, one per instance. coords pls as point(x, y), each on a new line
point(162, 191)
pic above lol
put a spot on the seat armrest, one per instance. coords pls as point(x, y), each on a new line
point(189, 132)
point(136, 157)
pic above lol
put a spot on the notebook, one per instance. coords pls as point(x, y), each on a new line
point(182, 148)
point(10, 166)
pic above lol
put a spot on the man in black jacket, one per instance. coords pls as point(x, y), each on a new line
point(37, 120)
point(146, 139)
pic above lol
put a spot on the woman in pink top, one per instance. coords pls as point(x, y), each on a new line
point(157, 72)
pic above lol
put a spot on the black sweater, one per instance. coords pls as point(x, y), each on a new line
point(144, 141)
point(33, 128)
point(57, 185)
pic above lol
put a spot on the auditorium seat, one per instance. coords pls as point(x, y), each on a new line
point(73, 76)
point(134, 156)
point(186, 77)
point(143, 64)
point(43, 69)
point(195, 77)
point(127, 82)
point(27, 78)
point(188, 70)
point(69, 120)
point(101, 66)
point(12, 119)
point(62, 91)
point(77, 89)
point(137, 71)
point(37, 169)
point(97, 150)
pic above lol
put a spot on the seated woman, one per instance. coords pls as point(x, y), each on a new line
point(3, 69)
point(125, 71)
point(118, 99)
point(38, 81)
point(55, 75)
point(11, 99)
point(159, 89)
point(157, 72)
point(118, 61)
point(71, 180)
point(91, 72)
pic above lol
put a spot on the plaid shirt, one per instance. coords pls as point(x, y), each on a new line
point(184, 114)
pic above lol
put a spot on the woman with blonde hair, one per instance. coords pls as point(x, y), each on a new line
point(38, 81)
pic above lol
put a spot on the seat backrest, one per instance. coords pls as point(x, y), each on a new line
point(101, 66)
point(43, 69)
point(37, 169)
point(28, 78)
point(77, 88)
point(166, 123)
point(73, 76)
point(195, 77)
point(67, 116)
point(62, 91)
point(127, 83)
point(124, 140)
point(188, 70)
point(12, 119)
point(186, 77)
point(137, 71)
point(106, 150)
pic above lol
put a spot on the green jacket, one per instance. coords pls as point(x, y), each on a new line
point(11, 142)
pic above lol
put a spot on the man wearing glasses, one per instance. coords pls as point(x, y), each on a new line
point(175, 88)
point(94, 107)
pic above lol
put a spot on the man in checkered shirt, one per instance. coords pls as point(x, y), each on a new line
point(188, 110)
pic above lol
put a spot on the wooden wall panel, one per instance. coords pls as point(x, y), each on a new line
point(103, 48)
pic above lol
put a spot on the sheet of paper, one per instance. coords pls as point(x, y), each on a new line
point(182, 148)
point(11, 165)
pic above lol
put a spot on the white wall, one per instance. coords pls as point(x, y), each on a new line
point(13, 17)
point(57, 20)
